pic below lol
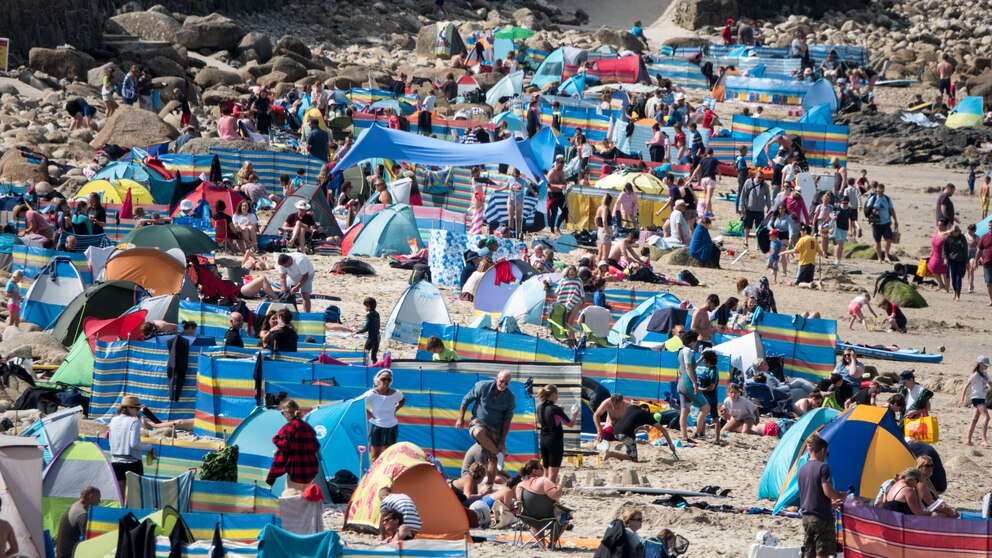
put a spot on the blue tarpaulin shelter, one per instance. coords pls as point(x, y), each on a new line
point(406, 147)
point(509, 86)
point(758, 156)
point(822, 92)
point(546, 145)
point(820, 114)
point(967, 113)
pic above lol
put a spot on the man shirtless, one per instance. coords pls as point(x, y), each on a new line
point(944, 72)
point(613, 408)
point(701, 322)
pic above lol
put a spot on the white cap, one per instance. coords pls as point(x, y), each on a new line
point(186, 205)
point(303, 204)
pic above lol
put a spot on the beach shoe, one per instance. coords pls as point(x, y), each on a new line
point(725, 492)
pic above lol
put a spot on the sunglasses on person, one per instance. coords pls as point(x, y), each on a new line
point(925, 467)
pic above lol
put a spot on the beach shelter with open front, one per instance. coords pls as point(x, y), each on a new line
point(390, 231)
point(156, 271)
point(560, 65)
point(79, 464)
point(116, 191)
point(967, 114)
point(526, 303)
point(212, 193)
point(317, 198)
point(788, 449)
point(53, 289)
point(55, 431)
point(20, 484)
point(405, 468)
point(866, 449)
point(625, 325)
point(104, 300)
point(493, 292)
point(420, 302)
point(341, 428)
point(821, 93)
point(77, 368)
point(510, 86)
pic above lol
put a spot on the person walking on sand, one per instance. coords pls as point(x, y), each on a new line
point(688, 396)
point(975, 388)
point(492, 416)
point(882, 216)
point(382, 402)
point(983, 257)
point(816, 498)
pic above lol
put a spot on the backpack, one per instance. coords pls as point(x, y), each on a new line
point(354, 267)
point(421, 272)
point(870, 205)
point(686, 276)
point(332, 315)
point(221, 465)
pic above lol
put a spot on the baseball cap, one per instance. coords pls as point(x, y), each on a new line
point(907, 374)
point(984, 360)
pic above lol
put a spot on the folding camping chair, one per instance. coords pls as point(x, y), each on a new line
point(764, 396)
point(221, 236)
point(558, 324)
point(541, 520)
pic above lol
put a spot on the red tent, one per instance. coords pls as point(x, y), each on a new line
point(624, 70)
point(212, 192)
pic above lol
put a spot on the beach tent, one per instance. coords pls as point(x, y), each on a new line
point(561, 64)
point(491, 296)
point(379, 141)
point(866, 449)
point(77, 368)
point(743, 350)
point(510, 86)
point(655, 328)
point(822, 92)
point(573, 86)
point(389, 232)
point(53, 289)
point(788, 449)
point(821, 115)
point(102, 301)
point(467, 84)
point(116, 170)
point(20, 485)
point(79, 464)
point(156, 271)
point(341, 428)
point(55, 432)
point(967, 114)
point(115, 192)
point(526, 303)
point(758, 156)
point(546, 145)
point(628, 69)
point(420, 302)
point(625, 324)
point(212, 193)
point(514, 122)
point(448, 42)
point(188, 239)
point(163, 307)
point(406, 469)
point(317, 197)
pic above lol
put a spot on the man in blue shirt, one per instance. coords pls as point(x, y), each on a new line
point(493, 406)
point(317, 141)
point(882, 216)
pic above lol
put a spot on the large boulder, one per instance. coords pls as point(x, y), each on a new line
point(15, 168)
point(134, 127)
point(209, 77)
point(94, 77)
point(693, 14)
point(293, 69)
point(67, 63)
point(271, 80)
point(981, 85)
point(427, 41)
point(620, 39)
point(162, 66)
point(524, 17)
point(289, 44)
point(150, 26)
point(219, 95)
point(40, 346)
point(202, 146)
point(256, 46)
point(212, 32)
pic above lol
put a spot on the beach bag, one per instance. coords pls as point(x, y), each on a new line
point(421, 272)
point(922, 271)
point(896, 237)
point(332, 315)
point(924, 429)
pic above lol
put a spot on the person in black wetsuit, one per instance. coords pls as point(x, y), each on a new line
point(371, 328)
point(550, 418)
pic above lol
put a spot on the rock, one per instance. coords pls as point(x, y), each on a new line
point(15, 168)
point(213, 32)
point(61, 63)
point(272, 79)
point(218, 95)
point(43, 188)
point(256, 46)
point(171, 83)
point(693, 14)
point(487, 80)
point(622, 40)
point(293, 69)
point(981, 85)
point(202, 146)
point(427, 41)
point(210, 77)
point(290, 44)
point(162, 66)
point(150, 26)
point(8, 89)
point(524, 17)
point(681, 258)
point(134, 127)
point(94, 77)
point(676, 42)
point(40, 346)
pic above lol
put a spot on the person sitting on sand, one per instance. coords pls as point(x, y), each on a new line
point(741, 413)
point(466, 487)
point(807, 404)
point(902, 496)
point(926, 491)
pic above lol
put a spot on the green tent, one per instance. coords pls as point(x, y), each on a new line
point(79, 464)
point(77, 368)
point(103, 301)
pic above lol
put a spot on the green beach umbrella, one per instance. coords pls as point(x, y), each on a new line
point(165, 237)
point(513, 33)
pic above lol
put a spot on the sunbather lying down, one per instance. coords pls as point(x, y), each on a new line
point(153, 423)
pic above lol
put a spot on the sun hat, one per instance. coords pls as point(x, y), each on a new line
point(131, 401)
point(303, 204)
point(186, 205)
point(679, 202)
point(602, 263)
point(984, 360)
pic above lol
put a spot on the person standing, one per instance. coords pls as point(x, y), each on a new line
point(945, 70)
point(557, 192)
point(975, 388)
point(816, 497)
point(701, 323)
point(983, 257)
point(882, 216)
point(945, 207)
point(107, 91)
point(97, 214)
point(807, 251)
point(955, 253)
point(492, 415)
point(296, 450)
point(845, 218)
point(317, 141)
point(371, 328)
point(754, 199)
point(129, 87)
point(688, 395)
point(232, 338)
point(72, 528)
point(296, 275)
point(381, 404)
point(125, 440)
point(550, 418)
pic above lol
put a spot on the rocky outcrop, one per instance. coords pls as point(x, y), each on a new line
point(214, 32)
point(49, 23)
point(61, 63)
point(150, 26)
point(693, 14)
point(134, 127)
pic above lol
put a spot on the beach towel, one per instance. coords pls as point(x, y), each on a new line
point(279, 543)
point(701, 246)
point(504, 273)
point(144, 492)
point(301, 516)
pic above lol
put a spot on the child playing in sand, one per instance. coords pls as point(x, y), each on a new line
point(896, 319)
point(14, 299)
point(856, 310)
point(775, 248)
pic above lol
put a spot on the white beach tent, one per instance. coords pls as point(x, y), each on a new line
point(20, 488)
point(420, 303)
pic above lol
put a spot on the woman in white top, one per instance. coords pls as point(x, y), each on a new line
point(741, 413)
point(125, 440)
point(246, 222)
point(976, 386)
point(381, 404)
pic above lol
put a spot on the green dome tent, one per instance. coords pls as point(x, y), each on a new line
point(387, 233)
point(102, 301)
point(77, 368)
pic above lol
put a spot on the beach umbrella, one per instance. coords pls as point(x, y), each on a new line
point(642, 182)
point(164, 237)
point(513, 33)
point(406, 109)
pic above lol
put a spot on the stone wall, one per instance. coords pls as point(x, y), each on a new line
point(693, 14)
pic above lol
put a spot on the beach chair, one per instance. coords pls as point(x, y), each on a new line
point(221, 236)
point(765, 398)
point(558, 324)
point(540, 521)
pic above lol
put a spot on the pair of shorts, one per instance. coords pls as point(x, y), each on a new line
point(13, 307)
point(382, 437)
point(752, 219)
point(603, 235)
point(944, 86)
point(629, 445)
point(121, 468)
point(879, 231)
point(307, 287)
point(819, 536)
point(840, 235)
point(987, 272)
point(687, 400)
point(806, 273)
point(977, 401)
point(607, 433)
point(493, 434)
point(772, 262)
